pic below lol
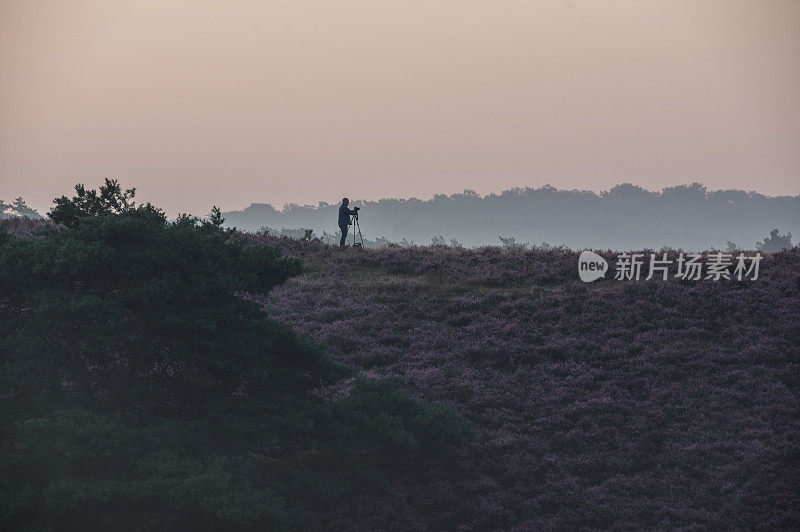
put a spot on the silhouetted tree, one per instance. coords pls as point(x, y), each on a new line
point(111, 199)
point(775, 242)
point(216, 218)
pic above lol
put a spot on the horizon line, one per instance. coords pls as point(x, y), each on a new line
point(526, 188)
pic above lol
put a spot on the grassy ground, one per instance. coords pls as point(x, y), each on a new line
point(649, 404)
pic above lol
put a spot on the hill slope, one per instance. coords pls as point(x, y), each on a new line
point(649, 404)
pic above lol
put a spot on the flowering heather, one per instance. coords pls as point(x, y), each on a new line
point(650, 404)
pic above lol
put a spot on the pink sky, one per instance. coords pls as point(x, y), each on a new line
point(232, 102)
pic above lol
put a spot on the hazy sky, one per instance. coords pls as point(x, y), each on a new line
point(232, 102)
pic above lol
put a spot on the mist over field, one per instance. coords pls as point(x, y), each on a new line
point(688, 217)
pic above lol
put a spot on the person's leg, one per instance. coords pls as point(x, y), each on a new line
point(344, 235)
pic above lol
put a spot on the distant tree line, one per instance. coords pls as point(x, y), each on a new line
point(626, 217)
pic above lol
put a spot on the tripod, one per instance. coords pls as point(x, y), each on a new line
point(358, 227)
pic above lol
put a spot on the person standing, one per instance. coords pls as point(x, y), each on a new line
point(344, 219)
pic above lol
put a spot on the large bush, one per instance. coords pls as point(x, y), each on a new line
point(140, 388)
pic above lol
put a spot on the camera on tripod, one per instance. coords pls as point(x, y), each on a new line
point(358, 227)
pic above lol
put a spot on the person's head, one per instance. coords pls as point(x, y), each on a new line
point(345, 201)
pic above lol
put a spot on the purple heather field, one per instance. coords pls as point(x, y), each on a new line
point(645, 404)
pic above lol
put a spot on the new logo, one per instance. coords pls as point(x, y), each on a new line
point(591, 266)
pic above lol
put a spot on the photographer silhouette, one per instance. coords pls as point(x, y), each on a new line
point(344, 219)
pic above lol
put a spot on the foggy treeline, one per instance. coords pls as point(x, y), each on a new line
point(16, 209)
point(626, 217)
